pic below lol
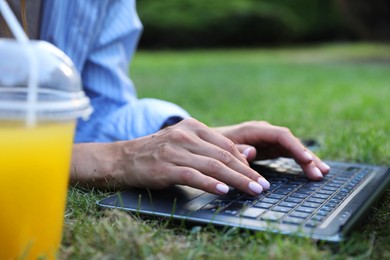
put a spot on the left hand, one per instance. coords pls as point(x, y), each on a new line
point(262, 140)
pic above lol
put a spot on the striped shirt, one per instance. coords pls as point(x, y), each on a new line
point(101, 36)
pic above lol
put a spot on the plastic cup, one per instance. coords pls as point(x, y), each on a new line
point(35, 160)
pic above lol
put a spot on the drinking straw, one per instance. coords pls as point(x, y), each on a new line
point(21, 37)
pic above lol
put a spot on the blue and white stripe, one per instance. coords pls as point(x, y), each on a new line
point(101, 36)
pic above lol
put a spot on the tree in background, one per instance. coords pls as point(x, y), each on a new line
point(243, 23)
point(369, 19)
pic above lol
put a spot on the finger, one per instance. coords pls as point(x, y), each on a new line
point(213, 137)
point(292, 145)
point(312, 171)
point(207, 155)
point(209, 158)
point(310, 163)
point(322, 166)
point(214, 168)
point(193, 178)
point(248, 151)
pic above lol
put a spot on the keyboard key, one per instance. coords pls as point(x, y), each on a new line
point(269, 200)
point(252, 212)
point(335, 185)
point(221, 202)
point(323, 213)
point(247, 200)
point(308, 189)
point(306, 209)
point(317, 218)
point(305, 192)
point(299, 214)
point(331, 205)
point(275, 196)
point(229, 212)
point(272, 215)
point(329, 188)
point(294, 184)
point(281, 209)
point(210, 206)
point(281, 192)
point(339, 197)
point(316, 200)
point(286, 187)
point(298, 195)
point(288, 204)
point(293, 200)
point(326, 209)
point(335, 201)
point(233, 194)
point(326, 192)
point(312, 223)
point(320, 196)
point(311, 204)
point(234, 208)
point(313, 185)
point(263, 205)
point(292, 220)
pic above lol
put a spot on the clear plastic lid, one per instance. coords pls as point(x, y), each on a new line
point(59, 93)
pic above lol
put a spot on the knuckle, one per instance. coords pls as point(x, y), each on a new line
point(179, 135)
point(225, 157)
point(230, 146)
point(202, 132)
point(285, 133)
point(185, 176)
point(285, 130)
point(192, 122)
point(165, 151)
point(285, 137)
point(213, 166)
point(254, 123)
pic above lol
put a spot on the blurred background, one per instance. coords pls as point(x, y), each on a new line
point(253, 23)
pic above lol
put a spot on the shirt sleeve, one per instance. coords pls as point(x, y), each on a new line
point(101, 38)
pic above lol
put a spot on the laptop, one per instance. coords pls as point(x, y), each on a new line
point(321, 210)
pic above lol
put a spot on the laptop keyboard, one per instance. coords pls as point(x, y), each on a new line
point(292, 198)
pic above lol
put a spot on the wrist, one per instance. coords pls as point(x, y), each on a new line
point(94, 165)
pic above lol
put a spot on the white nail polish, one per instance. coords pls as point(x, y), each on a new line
point(222, 188)
point(255, 187)
point(246, 152)
point(325, 166)
point(317, 172)
point(264, 183)
point(308, 156)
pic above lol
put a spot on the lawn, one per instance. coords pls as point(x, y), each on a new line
point(337, 94)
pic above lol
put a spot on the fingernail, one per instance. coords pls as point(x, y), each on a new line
point(325, 166)
point(246, 152)
point(264, 183)
point(222, 188)
point(308, 156)
point(255, 187)
point(317, 172)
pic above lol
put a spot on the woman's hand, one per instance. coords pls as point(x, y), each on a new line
point(188, 153)
point(261, 140)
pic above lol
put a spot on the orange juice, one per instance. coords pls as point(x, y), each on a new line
point(34, 170)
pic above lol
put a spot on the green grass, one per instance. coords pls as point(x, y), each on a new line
point(338, 94)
